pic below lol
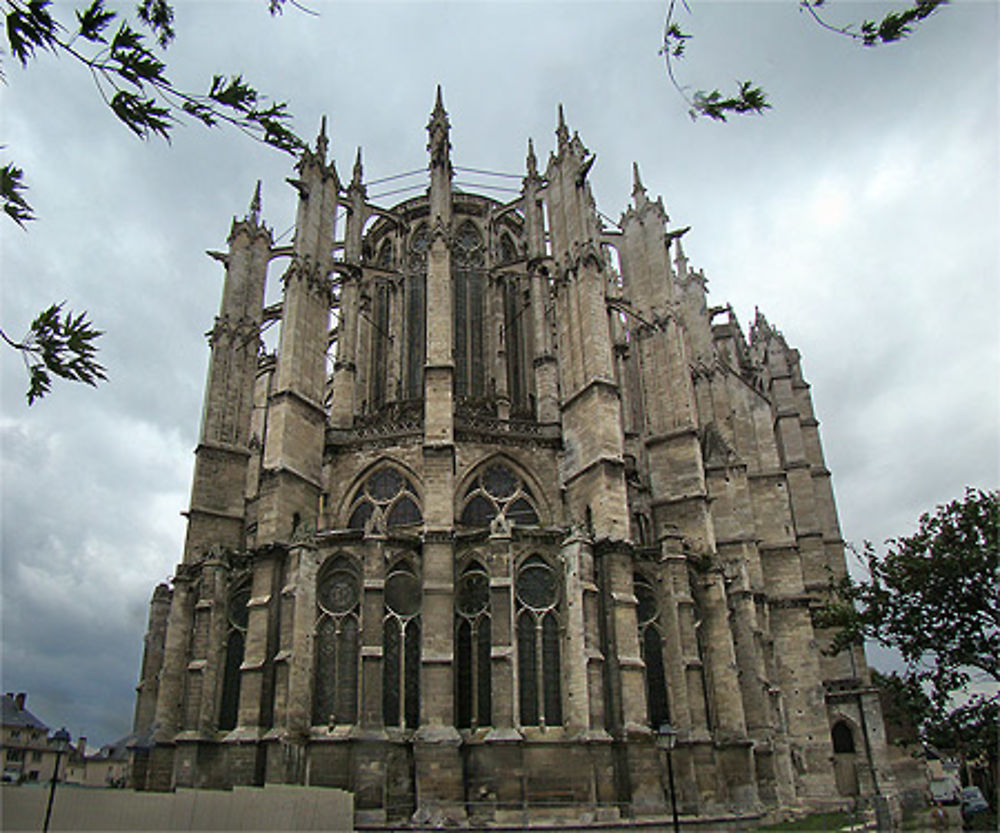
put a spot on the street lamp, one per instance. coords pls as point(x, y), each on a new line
point(62, 743)
point(666, 739)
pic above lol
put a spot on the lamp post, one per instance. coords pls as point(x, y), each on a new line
point(62, 742)
point(666, 739)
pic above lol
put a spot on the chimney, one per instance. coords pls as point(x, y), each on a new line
point(19, 700)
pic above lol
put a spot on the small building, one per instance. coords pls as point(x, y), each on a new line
point(27, 749)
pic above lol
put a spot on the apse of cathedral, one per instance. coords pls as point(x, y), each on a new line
point(509, 510)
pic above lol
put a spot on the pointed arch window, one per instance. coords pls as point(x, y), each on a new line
point(508, 251)
point(473, 689)
point(651, 648)
point(338, 615)
point(415, 323)
point(498, 491)
point(401, 648)
point(238, 617)
point(385, 255)
point(387, 500)
point(537, 593)
point(469, 279)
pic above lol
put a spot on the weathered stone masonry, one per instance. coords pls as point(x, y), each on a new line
point(494, 511)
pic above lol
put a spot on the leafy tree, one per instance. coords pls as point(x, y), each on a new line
point(123, 61)
point(750, 98)
point(933, 596)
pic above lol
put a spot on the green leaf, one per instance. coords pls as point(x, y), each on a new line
point(30, 27)
point(94, 20)
point(12, 191)
point(159, 17)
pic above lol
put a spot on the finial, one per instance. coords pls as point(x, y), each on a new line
point(531, 162)
point(637, 186)
point(322, 143)
point(356, 179)
point(255, 205)
point(437, 128)
point(680, 259)
point(562, 133)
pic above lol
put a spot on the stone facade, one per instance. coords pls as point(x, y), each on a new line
point(508, 497)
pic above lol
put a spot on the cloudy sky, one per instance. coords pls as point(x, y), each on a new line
point(860, 215)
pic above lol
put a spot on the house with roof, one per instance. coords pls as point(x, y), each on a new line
point(27, 750)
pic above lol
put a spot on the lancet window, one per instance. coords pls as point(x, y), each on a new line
point(338, 598)
point(386, 500)
point(537, 591)
point(516, 347)
point(401, 648)
point(381, 341)
point(651, 648)
point(415, 337)
point(238, 616)
point(473, 690)
point(469, 277)
point(498, 491)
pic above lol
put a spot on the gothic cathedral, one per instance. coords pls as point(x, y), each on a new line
point(510, 510)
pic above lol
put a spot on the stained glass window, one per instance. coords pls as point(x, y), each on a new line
point(338, 596)
point(498, 491)
point(401, 648)
point(538, 644)
point(473, 689)
point(238, 616)
point(387, 499)
point(651, 648)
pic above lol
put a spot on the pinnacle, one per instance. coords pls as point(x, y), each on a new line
point(358, 170)
point(562, 132)
point(637, 186)
point(531, 161)
point(254, 214)
point(322, 143)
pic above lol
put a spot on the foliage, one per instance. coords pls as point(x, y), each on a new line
point(60, 344)
point(749, 98)
point(932, 596)
point(132, 81)
point(906, 708)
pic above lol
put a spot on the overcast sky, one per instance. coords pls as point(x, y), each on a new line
point(860, 215)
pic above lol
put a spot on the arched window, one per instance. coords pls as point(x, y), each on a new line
point(508, 251)
point(384, 260)
point(380, 343)
point(415, 337)
point(498, 491)
point(651, 648)
point(515, 346)
point(538, 654)
point(386, 500)
point(401, 648)
point(473, 690)
point(238, 615)
point(469, 277)
point(338, 598)
point(842, 737)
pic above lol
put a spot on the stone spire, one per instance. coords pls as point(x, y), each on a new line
point(437, 130)
point(254, 214)
point(322, 143)
point(531, 162)
point(638, 189)
point(562, 132)
point(441, 172)
point(680, 260)
point(358, 174)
